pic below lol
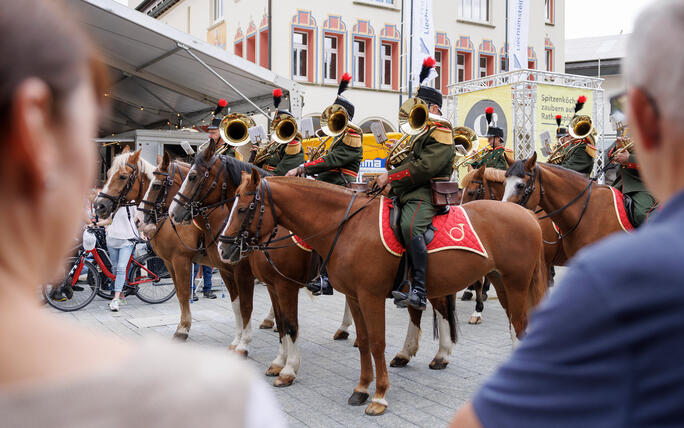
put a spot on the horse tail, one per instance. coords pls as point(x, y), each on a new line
point(540, 282)
point(449, 310)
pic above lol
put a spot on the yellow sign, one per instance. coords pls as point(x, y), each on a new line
point(374, 154)
point(553, 100)
point(471, 112)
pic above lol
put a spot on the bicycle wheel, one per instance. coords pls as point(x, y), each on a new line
point(151, 278)
point(67, 297)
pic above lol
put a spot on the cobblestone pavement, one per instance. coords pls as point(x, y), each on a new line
point(329, 371)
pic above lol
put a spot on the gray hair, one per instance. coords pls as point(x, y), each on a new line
point(655, 56)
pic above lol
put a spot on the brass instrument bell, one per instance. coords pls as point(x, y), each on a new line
point(234, 129)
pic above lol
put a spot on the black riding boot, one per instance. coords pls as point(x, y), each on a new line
point(320, 284)
point(418, 295)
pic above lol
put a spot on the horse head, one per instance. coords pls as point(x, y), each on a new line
point(251, 218)
point(168, 177)
point(125, 183)
point(523, 183)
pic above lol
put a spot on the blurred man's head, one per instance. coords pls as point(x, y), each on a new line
point(654, 70)
point(214, 134)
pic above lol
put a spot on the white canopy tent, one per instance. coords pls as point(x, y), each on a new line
point(163, 78)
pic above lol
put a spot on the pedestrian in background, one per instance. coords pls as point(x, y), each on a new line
point(122, 235)
point(51, 84)
point(597, 353)
point(207, 273)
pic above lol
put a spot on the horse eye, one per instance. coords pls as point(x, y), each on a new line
point(471, 192)
point(242, 210)
point(192, 177)
point(519, 185)
point(123, 177)
point(156, 186)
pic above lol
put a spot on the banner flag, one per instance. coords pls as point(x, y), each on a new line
point(518, 31)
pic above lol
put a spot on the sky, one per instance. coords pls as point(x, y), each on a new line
point(591, 18)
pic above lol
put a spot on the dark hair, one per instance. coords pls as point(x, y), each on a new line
point(40, 40)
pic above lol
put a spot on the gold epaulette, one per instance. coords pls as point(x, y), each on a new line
point(352, 140)
point(293, 148)
point(591, 150)
point(239, 156)
point(443, 135)
point(510, 157)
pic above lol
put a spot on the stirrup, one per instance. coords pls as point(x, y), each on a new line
point(401, 298)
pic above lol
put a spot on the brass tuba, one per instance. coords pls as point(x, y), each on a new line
point(284, 128)
point(414, 119)
point(581, 127)
point(466, 138)
point(234, 129)
point(334, 122)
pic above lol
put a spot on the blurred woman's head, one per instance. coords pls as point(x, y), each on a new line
point(50, 87)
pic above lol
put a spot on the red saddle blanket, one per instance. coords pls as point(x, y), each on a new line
point(301, 244)
point(620, 212)
point(453, 231)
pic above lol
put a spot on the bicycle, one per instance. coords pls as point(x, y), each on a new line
point(89, 273)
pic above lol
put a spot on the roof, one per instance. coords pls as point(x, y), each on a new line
point(156, 79)
point(594, 48)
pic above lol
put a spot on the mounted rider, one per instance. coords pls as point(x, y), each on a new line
point(578, 153)
point(430, 158)
point(495, 154)
point(283, 155)
point(222, 148)
point(340, 165)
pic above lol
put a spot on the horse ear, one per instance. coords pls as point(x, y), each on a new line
point(531, 162)
point(135, 157)
point(256, 178)
point(481, 170)
point(165, 161)
point(510, 161)
point(209, 151)
point(126, 149)
point(159, 159)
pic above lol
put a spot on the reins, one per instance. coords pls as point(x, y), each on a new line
point(119, 200)
point(159, 210)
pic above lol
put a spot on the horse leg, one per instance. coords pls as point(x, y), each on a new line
point(269, 320)
point(245, 281)
point(412, 341)
point(476, 317)
point(288, 300)
point(444, 312)
point(361, 394)
point(279, 362)
point(228, 279)
point(342, 333)
point(373, 312)
point(181, 281)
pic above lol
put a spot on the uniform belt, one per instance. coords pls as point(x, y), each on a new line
point(345, 171)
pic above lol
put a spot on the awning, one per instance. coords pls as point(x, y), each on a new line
point(161, 75)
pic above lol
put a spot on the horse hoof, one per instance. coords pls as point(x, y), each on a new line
point(356, 343)
point(273, 371)
point(283, 381)
point(232, 347)
point(242, 352)
point(358, 398)
point(475, 320)
point(399, 361)
point(467, 295)
point(180, 336)
point(375, 409)
point(484, 297)
point(275, 329)
point(341, 335)
point(438, 364)
point(266, 324)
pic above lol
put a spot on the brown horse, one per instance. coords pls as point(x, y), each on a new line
point(569, 198)
point(363, 270)
point(128, 180)
point(288, 269)
point(489, 183)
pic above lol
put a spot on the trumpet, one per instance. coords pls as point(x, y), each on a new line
point(414, 119)
point(580, 127)
point(314, 153)
point(234, 129)
point(284, 128)
point(334, 122)
point(264, 152)
point(466, 138)
point(471, 158)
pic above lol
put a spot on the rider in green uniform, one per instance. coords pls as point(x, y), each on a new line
point(284, 156)
point(340, 165)
point(431, 158)
point(222, 148)
point(628, 181)
point(577, 153)
point(495, 154)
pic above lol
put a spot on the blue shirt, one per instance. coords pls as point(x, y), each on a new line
point(606, 348)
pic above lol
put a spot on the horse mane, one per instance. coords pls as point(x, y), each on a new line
point(236, 167)
point(119, 162)
point(518, 170)
point(490, 174)
point(314, 184)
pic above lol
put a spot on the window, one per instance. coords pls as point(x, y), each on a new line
point(548, 11)
point(359, 61)
point(300, 55)
point(238, 48)
point(463, 66)
point(263, 48)
point(251, 48)
point(532, 65)
point(441, 82)
point(386, 80)
point(437, 82)
point(482, 72)
point(217, 8)
point(474, 10)
point(504, 63)
point(330, 58)
point(548, 53)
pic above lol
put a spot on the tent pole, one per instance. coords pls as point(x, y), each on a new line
point(198, 59)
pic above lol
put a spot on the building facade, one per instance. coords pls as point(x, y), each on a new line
point(314, 42)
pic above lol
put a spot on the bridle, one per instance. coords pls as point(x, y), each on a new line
point(529, 191)
point(480, 192)
point(158, 209)
point(194, 204)
point(120, 200)
point(247, 242)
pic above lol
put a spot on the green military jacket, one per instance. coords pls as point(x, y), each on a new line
point(342, 162)
point(284, 158)
point(431, 157)
point(628, 179)
point(576, 158)
point(494, 158)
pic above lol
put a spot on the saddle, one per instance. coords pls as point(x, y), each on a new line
point(395, 216)
point(629, 208)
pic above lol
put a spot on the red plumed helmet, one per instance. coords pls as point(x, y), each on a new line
point(558, 119)
point(582, 99)
point(277, 92)
point(222, 103)
point(489, 110)
point(429, 62)
point(277, 96)
point(344, 83)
